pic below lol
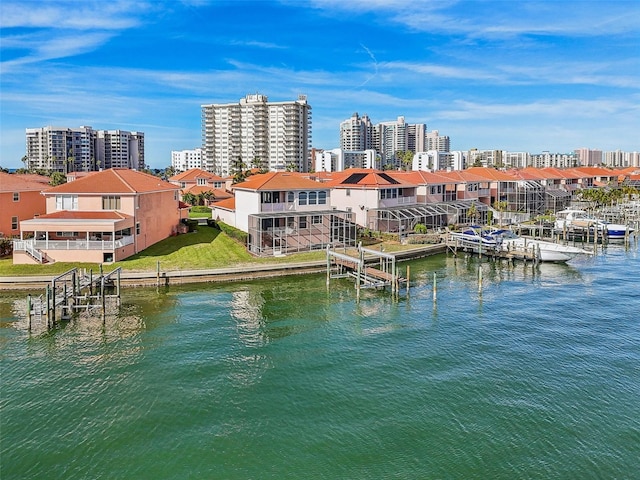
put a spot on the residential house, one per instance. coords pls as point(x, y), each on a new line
point(20, 199)
point(206, 187)
point(285, 212)
point(104, 217)
point(380, 200)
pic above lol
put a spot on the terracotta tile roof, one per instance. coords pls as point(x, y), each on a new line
point(596, 171)
point(81, 215)
point(492, 174)
point(115, 180)
point(527, 174)
point(422, 177)
point(196, 189)
point(273, 181)
point(17, 182)
point(227, 204)
point(195, 173)
point(463, 176)
point(367, 178)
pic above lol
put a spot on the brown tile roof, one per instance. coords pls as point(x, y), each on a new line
point(81, 215)
point(278, 181)
point(18, 182)
point(115, 180)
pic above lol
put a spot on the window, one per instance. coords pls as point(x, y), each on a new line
point(14, 223)
point(302, 222)
point(110, 202)
point(137, 228)
point(183, 184)
point(290, 197)
point(202, 181)
point(389, 193)
point(322, 198)
point(348, 192)
point(66, 202)
point(16, 196)
point(316, 219)
point(66, 234)
point(302, 198)
point(313, 198)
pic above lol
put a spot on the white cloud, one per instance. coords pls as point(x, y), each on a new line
point(76, 15)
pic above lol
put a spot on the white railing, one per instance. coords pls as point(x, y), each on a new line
point(394, 202)
point(25, 245)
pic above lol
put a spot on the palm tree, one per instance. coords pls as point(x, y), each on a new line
point(189, 198)
point(500, 206)
point(472, 212)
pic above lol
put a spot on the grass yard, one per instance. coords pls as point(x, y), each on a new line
point(203, 249)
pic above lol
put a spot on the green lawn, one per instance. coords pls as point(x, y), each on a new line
point(205, 248)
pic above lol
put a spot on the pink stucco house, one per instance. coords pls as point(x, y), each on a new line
point(104, 217)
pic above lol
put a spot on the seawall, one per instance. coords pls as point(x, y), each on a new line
point(229, 274)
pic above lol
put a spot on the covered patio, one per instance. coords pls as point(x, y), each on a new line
point(95, 237)
point(289, 232)
point(404, 219)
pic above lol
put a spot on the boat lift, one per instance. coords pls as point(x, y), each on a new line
point(384, 273)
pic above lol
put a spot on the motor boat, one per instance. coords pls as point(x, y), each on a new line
point(567, 219)
point(502, 240)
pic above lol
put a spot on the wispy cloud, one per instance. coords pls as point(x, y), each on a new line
point(75, 15)
point(257, 44)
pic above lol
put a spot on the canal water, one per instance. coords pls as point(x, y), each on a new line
point(535, 376)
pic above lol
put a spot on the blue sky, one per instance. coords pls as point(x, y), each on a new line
point(513, 75)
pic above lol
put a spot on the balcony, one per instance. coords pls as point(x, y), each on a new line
point(106, 245)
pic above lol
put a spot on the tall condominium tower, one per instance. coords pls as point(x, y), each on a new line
point(356, 133)
point(83, 149)
point(258, 133)
point(386, 138)
point(435, 141)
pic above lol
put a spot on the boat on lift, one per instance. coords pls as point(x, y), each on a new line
point(573, 218)
point(503, 240)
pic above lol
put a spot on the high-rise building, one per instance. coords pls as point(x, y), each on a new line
point(356, 133)
point(587, 157)
point(386, 138)
point(256, 133)
point(83, 149)
point(434, 141)
point(184, 160)
point(119, 149)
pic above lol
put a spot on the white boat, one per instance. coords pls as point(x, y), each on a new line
point(479, 240)
point(571, 218)
point(547, 251)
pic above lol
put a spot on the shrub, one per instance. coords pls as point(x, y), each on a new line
point(420, 228)
point(234, 233)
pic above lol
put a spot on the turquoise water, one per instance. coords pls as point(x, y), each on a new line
point(536, 376)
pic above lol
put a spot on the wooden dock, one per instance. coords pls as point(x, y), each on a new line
point(371, 269)
point(72, 292)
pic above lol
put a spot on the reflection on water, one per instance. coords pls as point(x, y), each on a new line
point(284, 378)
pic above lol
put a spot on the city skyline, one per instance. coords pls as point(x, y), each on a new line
point(518, 76)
